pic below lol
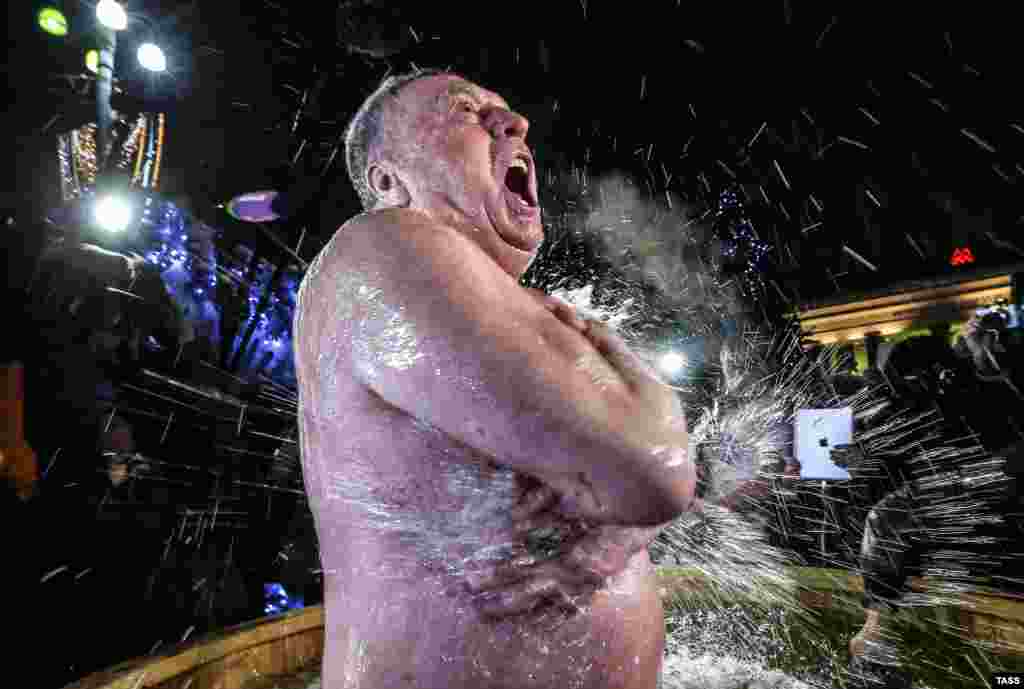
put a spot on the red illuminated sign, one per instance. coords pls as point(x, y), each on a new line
point(962, 257)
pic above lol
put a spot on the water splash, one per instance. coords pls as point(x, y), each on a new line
point(687, 670)
point(582, 299)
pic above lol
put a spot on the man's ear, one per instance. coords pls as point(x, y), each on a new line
point(390, 191)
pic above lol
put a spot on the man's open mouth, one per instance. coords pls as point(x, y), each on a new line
point(518, 184)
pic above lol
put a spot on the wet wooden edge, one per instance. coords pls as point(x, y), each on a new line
point(185, 659)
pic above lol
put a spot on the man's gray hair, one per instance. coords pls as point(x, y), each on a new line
point(367, 126)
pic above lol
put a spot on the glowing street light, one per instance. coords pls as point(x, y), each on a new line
point(112, 213)
point(112, 15)
point(152, 58)
point(53, 22)
point(672, 363)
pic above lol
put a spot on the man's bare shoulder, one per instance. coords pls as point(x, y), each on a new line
point(396, 227)
point(404, 249)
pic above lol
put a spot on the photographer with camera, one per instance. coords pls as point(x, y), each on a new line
point(991, 342)
point(993, 406)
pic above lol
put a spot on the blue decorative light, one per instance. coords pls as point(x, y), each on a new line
point(189, 266)
point(277, 600)
point(741, 246)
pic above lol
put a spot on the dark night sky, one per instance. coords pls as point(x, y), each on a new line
point(868, 123)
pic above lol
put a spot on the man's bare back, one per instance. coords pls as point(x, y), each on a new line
point(447, 412)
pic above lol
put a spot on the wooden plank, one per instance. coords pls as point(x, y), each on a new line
point(228, 656)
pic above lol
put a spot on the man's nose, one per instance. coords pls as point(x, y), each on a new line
point(505, 124)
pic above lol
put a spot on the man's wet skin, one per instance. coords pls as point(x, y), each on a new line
point(448, 413)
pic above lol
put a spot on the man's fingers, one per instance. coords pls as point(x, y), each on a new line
point(618, 353)
point(539, 521)
point(562, 310)
point(598, 563)
point(518, 599)
point(534, 502)
point(526, 569)
point(566, 313)
point(528, 596)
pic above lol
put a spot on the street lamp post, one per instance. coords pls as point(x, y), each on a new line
point(111, 19)
point(104, 86)
point(113, 213)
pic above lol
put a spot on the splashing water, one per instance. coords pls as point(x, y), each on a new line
point(582, 299)
point(689, 671)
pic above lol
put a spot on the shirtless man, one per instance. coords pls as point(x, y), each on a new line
point(447, 413)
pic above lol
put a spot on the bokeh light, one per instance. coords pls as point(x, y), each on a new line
point(113, 213)
point(53, 22)
point(672, 363)
point(152, 57)
point(112, 15)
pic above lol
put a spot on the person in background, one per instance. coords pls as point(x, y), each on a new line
point(926, 381)
point(992, 408)
point(883, 556)
point(995, 381)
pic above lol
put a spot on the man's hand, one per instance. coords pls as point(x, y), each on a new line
point(631, 367)
point(981, 343)
point(656, 419)
point(602, 551)
point(974, 336)
point(566, 581)
point(563, 311)
point(522, 585)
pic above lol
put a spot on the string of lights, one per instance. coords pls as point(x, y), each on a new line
point(141, 152)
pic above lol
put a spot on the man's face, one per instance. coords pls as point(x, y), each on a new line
point(462, 155)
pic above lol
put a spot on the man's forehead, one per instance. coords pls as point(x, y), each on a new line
point(438, 90)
